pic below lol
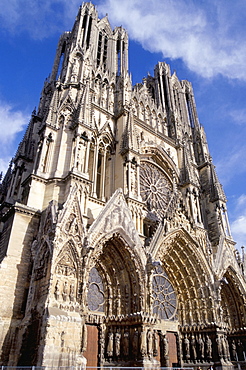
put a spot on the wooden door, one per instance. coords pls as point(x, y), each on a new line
point(91, 353)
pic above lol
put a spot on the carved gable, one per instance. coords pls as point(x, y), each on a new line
point(115, 218)
point(70, 221)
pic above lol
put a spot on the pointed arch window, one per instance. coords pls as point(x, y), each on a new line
point(95, 296)
point(86, 26)
point(99, 48)
point(61, 61)
point(163, 295)
point(190, 110)
point(105, 52)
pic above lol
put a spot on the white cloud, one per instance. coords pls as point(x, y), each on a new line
point(238, 226)
point(232, 162)
point(238, 116)
point(209, 36)
point(39, 18)
point(12, 123)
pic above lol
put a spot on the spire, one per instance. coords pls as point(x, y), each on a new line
point(185, 172)
point(216, 190)
point(129, 139)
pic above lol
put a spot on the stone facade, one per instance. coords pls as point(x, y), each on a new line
point(115, 245)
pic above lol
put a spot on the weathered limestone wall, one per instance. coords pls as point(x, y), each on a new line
point(14, 274)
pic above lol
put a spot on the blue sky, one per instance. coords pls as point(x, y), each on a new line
point(202, 40)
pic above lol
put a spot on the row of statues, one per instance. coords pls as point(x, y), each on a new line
point(201, 348)
point(197, 348)
point(64, 291)
point(131, 343)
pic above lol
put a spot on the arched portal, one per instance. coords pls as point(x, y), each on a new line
point(187, 269)
point(119, 280)
point(115, 286)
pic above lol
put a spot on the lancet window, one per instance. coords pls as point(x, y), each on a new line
point(61, 61)
point(120, 51)
point(102, 50)
point(99, 167)
point(189, 109)
point(86, 26)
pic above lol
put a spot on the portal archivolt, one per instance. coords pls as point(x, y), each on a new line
point(187, 272)
point(115, 279)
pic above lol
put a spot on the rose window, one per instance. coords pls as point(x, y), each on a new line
point(155, 188)
point(163, 295)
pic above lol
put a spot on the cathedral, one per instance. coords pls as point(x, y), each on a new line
point(115, 246)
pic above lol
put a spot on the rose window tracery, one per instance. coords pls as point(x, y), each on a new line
point(95, 295)
point(163, 295)
point(155, 188)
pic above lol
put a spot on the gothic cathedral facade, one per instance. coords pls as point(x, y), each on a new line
point(115, 245)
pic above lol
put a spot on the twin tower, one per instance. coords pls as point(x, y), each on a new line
point(115, 246)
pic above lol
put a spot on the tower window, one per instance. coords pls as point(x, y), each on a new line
point(59, 70)
point(118, 57)
point(99, 49)
point(105, 52)
point(86, 26)
point(190, 112)
point(88, 33)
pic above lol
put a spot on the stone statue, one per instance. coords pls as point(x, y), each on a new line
point(57, 289)
point(64, 292)
point(126, 343)
point(201, 347)
point(219, 346)
point(143, 344)
point(193, 347)
point(110, 347)
point(209, 349)
point(234, 350)
point(150, 343)
point(155, 344)
point(117, 343)
point(187, 348)
point(135, 343)
point(71, 293)
point(165, 346)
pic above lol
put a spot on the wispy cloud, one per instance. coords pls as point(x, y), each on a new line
point(238, 116)
point(12, 123)
point(208, 36)
point(238, 226)
point(38, 18)
point(232, 162)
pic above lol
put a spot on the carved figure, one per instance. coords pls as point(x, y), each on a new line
point(110, 347)
point(135, 343)
point(150, 343)
point(64, 292)
point(193, 348)
point(155, 344)
point(165, 346)
point(117, 343)
point(187, 348)
point(126, 343)
point(56, 293)
point(219, 347)
point(201, 347)
point(143, 344)
point(71, 293)
point(209, 348)
point(224, 347)
point(234, 350)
